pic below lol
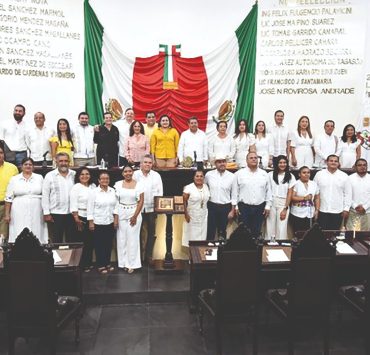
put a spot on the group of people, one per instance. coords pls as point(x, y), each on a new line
point(333, 199)
point(76, 208)
point(127, 140)
point(80, 211)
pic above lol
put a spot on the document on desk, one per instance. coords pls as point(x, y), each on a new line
point(212, 257)
point(56, 257)
point(344, 248)
point(276, 255)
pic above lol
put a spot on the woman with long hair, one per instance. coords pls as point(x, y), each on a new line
point(281, 183)
point(349, 148)
point(163, 144)
point(130, 195)
point(137, 144)
point(79, 196)
point(305, 201)
point(63, 141)
point(244, 143)
point(301, 148)
point(264, 144)
point(23, 203)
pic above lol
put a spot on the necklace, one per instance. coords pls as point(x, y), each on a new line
point(201, 194)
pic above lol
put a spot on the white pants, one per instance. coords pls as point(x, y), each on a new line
point(128, 244)
point(304, 156)
point(275, 226)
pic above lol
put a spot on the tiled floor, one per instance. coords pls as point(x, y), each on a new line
point(169, 329)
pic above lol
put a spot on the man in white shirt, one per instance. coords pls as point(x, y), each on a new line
point(83, 141)
point(253, 194)
point(334, 195)
point(280, 134)
point(359, 182)
point(123, 126)
point(150, 124)
point(325, 144)
point(193, 144)
point(153, 186)
point(37, 139)
point(222, 193)
point(13, 133)
point(55, 199)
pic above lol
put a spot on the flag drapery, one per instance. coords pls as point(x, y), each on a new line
point(200, 86)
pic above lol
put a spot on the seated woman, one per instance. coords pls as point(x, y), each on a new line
point(163, 144)
point(222, 144)
point(137, 144)
point(62, 142)
point(305, 201)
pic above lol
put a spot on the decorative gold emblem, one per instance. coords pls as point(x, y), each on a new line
point(225, 112)
point(115, 108)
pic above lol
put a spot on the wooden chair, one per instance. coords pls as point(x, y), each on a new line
point(33, 308)
point(309, 292)
point(237, 294)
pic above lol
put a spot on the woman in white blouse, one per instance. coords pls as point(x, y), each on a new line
point(78, 206)
point(305, 201)
point(264, 144)
point(222, 144)
point(301, 147)
point(349, 149)
point(244, 143)
point(103, 220)
point(281, 183)
point(23, 203)
point(130, 195)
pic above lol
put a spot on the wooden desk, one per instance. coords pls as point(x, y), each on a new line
point(349, 268)
point(68, 276)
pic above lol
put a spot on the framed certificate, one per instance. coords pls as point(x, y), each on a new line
point(163, 204)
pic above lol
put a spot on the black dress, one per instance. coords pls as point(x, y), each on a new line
point(107, 145)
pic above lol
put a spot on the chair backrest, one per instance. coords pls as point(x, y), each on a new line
point(31, 301)
point(237, 281)
point(311, 285)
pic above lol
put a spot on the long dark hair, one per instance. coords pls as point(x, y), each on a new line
point(255, 128)
point(132, 127)
point(237, 130)
point(308, 129)
point(344, 136)
point(68, 132)
point(287, 175)
point(169, 120)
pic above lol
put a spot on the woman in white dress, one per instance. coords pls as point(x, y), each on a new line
point(349, 149)
point(196, 196)
point(244, 143)
point(264, 144)
point(79, 196)
point(130, 196)
point(23, 204)
point(301, 147)
point(222, 144)
point(281, 184)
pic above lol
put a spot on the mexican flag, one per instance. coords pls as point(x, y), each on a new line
point(213, 86)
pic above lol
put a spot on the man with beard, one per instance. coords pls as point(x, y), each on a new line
point(83, 140)
point(13, 133)
point(55, 199)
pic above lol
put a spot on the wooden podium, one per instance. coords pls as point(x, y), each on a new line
point(169, 205)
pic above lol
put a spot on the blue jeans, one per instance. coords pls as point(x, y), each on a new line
point(19, 156)
point(252, 216)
